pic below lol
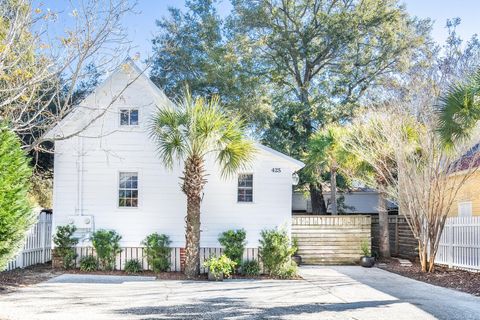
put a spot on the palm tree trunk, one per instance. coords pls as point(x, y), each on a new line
point(193, 183)
point(316, 197)
point(383, 226)
point(333, 191)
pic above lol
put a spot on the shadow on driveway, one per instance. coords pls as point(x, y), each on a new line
point(221, 308)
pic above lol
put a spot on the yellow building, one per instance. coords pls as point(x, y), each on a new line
point(467, 200)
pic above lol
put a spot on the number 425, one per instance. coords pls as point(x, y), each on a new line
point(276, 170)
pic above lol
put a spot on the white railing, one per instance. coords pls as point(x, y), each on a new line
point(38, 244)
point(460, 243)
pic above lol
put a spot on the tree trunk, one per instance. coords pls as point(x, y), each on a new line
point(383, 226)
point(333, 191)
point(193, 183)
point(316, 197)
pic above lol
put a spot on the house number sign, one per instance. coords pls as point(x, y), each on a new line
point(276, 170)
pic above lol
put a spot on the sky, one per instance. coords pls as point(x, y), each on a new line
point(141, 26)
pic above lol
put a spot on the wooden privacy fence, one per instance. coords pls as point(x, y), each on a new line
point(38, 244)
point(138, 253)
point(402, 242)
point(331, 239)
point(460, 243)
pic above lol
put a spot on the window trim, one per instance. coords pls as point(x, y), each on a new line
point(253, 187)
point(129, 109)
point(117, 195)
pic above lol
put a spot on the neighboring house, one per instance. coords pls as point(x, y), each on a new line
point(467, 199)
point(357, 201)
point(109, 176)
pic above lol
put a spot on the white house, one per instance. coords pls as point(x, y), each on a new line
point(109, 176)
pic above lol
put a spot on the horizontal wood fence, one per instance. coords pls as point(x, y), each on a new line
point(331, 239)
point(402, 242)
point(38, 244)
point(460, 243)
point(138, 253)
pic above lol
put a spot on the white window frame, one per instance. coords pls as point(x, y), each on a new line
point(117, 197)
point(237, 187)
point(129, 109)
point(462, 205)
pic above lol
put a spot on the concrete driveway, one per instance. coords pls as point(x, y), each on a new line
point(325, 292)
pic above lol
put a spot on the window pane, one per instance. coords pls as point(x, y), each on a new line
point(133, 117)
point(124, 117)
point(134, 202)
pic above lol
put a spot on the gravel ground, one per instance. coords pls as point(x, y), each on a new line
point(461, 280)
point(325, 292)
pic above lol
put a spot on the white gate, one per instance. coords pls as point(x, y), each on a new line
point(38, 244)
point(460, 243)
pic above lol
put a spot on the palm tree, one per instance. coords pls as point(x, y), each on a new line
point(191, 132)
point(324, 154)
point(459, 111)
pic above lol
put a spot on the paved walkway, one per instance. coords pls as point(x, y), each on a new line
point(326, 293)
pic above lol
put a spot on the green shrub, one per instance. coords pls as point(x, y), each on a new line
point(365, 247)
point(250, 268)
point(65, 245)
point(133, 266)
point(275, 251)
point(288, 270)
point(221, 265)
point(234, 243)
point(16, 214)
point(107, 246)
point(88, 263)
point(157, 251)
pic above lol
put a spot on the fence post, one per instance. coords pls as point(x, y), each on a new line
point(450, 243)
point(42, 235)
point(397, 241)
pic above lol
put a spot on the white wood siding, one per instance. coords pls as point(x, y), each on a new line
point(87, 169)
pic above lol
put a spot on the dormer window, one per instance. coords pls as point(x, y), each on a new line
point(129, 117)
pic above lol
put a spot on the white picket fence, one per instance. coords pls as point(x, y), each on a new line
point(38, 244)
point(460, 243)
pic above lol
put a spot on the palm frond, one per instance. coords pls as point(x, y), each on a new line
point(459, 111)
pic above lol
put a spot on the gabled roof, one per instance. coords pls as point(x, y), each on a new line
point(160, 96)
point(76, 110)
point(296, 163)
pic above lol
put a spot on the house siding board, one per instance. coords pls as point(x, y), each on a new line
point(109, 149)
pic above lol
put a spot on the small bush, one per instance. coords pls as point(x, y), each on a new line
point(133, 266)
point(365, 247)
point(234, 243)
point(251, 268)
point(275, 251)
point(88, 263)
point(65, 245)
point(288, 270)
point(221, 265)
point(107, 246)
point(157, 251)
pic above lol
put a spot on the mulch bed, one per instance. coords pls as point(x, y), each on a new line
point(27, 276)
point(460, 280)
